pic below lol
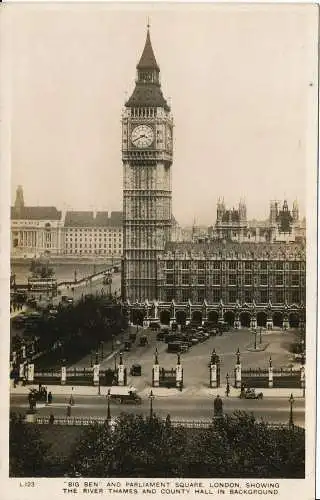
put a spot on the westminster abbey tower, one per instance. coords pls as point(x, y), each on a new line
point(147, 128)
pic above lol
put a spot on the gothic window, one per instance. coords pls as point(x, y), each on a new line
point(185, 264)
point(295, 296)
point(169, 264)
point(295, 279)
point(248, 279)
point(216, 279)
point(216, 295)
point(233, 265)
point(232, 279)
point(248, 296)
point(216, 264)
point(264, 296)
point(294, 266)
point(201, 296)
point(201, 279)
point(185, 279)
point(279, 279)
point(169, 294)
point(169, 279)
point(263, 279)
point(185, 295)
point(279, 296)
point(201, 265)
point(279, 266)
point(232, 296)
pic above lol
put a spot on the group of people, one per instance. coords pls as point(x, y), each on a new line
point(15, 306)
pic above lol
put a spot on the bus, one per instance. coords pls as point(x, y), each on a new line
point(39, 286)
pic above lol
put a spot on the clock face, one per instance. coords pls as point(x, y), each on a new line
point(142, 136)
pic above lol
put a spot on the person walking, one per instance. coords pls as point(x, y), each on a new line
point(69, 410)
point(227, 389)
point(51, 418)
point(49, 398)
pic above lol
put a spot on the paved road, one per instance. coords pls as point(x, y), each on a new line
point(270, 409)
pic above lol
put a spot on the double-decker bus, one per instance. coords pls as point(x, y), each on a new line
point(39, 286)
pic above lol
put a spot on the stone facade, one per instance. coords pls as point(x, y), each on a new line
point(147, 127)
point(243, 284)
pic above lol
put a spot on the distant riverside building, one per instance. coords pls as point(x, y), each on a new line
point(39, 231)
point(34, 230)
point(89, 234)
point(282, 225)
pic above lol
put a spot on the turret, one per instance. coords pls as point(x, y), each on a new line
point(19, 201)
point(295, 211)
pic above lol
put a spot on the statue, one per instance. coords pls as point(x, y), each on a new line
point(218, 406)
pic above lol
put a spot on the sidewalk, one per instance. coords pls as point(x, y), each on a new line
point(190, 392)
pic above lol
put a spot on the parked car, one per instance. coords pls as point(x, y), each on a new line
point(143, 340)
point(125, 395)
point(250, 394)
point(135, 370)
point(127, 345)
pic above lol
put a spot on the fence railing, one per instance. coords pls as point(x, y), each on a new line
point(190, 424)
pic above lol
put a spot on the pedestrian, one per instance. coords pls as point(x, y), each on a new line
point(51, 418)
point(71, 400)
point(69, 410)
point(49, 398)
point(228, 390)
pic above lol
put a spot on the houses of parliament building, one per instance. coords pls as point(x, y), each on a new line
point(232, 276)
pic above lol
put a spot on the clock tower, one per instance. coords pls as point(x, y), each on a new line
point(147, 127)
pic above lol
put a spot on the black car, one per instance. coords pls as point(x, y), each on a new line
point(135, 370)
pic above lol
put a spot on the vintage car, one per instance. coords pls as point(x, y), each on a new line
point(124, 395)
point(250, 394)
point(135, 370)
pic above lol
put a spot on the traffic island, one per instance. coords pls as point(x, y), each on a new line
point(257, 348)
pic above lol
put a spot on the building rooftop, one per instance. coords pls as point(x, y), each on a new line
point(89, 219)
point(35, 213)
point(237, 250)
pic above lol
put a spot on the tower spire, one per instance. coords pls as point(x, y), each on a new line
point(148, 60)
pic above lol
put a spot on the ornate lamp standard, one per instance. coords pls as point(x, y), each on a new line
point(151, 397)
point(255, 338)
point(108, 407)
point(291, 401)
point(260, 335)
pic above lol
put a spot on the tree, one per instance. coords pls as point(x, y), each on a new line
point(28, 453)
point(136, 446)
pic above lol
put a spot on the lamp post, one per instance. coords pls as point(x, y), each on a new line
point(151, 397)
point(291, 401)
point(115, 362)
point(101, 346)
point(260, 335)
point(255, 339)
point(112, 346)
point(227, 385)
point(108, 407)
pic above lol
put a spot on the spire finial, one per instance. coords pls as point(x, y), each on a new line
point(148, 23)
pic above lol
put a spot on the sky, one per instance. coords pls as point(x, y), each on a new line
point(241, 80)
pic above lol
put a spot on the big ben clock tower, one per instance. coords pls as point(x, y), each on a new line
point(147, 157)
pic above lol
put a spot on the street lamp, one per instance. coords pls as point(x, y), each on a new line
point(101, 345)
point(255, 339)
point(151, 397)
point(108, 407)
point(260, 335)
point(291, 401)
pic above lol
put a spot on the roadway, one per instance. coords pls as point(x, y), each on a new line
point(200, 408)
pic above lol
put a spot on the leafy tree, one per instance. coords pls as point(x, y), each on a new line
point(28, 453)
point(136, 446)
point(235, 446)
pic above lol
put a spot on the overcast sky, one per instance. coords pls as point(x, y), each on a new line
point(241, 80)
